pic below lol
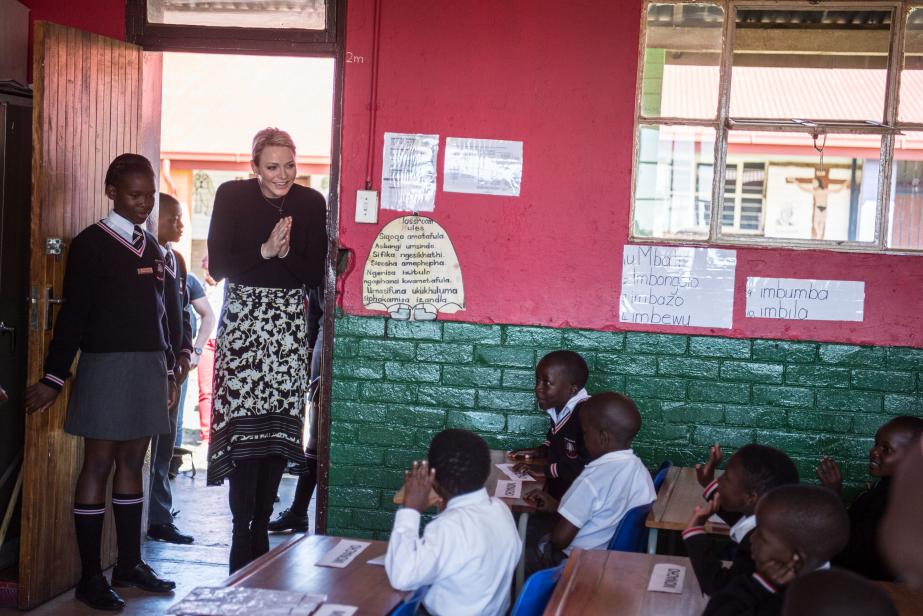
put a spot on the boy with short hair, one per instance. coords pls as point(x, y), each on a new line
point(469, 551)
point(799, 529)
point(862, 554)
point(560, 378)
point(752, 471)
point(614, 482)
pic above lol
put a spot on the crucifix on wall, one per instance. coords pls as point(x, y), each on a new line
point(820, 186)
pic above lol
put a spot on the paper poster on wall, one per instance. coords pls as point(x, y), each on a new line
point(483, 166)
point(692, 287)
point(805, 299)
point(408, 174)
point(412, 271)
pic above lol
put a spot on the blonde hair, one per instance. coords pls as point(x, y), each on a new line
point(270, 136)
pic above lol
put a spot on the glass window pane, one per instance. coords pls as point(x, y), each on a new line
point(301, 14)
point(810, 64)
point(780, 189)
point(905, 212)
point(673, 182)
point(681, 58)
point(911, 102)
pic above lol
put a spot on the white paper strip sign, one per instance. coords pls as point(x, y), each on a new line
point(507, 469)
point(667, 577)
point(805, 299)
point(508, 489)
point(342, 553)
point(408, 172)
point(692, 287)
point(483, 166)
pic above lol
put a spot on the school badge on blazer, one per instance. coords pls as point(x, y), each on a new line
point(159, 270)
point(570, 447)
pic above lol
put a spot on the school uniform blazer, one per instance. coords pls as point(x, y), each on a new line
point(711, 574)
point(747, 595)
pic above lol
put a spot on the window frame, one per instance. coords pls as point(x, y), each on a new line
point(722, 123)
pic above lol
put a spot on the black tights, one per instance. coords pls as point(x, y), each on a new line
point(253, 486)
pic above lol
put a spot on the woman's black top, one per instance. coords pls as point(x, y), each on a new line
point(242, 220)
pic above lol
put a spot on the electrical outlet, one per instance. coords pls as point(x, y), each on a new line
point(367, 206)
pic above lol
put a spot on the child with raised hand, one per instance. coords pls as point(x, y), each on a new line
point(752, 471)
point(560, 378)
point(468, 552)
point(799, 529)
point(862, 553)
point(836, 592)
point(615, 481)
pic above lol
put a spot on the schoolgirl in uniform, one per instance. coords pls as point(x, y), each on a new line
point(114, 314)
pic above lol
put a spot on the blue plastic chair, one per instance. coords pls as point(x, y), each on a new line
point(536, 592)
point(631, 534)
point(410, 605)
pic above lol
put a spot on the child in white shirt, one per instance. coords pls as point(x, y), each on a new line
point(468, 552)
point(615, 481)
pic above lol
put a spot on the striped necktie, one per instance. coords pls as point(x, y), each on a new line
point(170, 261)
point(137, 238)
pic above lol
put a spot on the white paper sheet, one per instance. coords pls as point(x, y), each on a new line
point(483, 166)
point(691, 287)
point(241, 601)
point(507, 469)
point(408, 174)
point(805, 299)
point(342, 553)
point(667, 577)
point(508, 489)
point(335, 609)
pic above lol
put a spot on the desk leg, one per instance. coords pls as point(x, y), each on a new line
point(521, 567)
point(652, 541)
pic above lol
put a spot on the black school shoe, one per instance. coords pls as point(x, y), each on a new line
point(168, 533)
point(143, 577)
point(96, 592)
point(289, 521)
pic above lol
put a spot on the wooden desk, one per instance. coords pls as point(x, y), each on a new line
point(290, 566)
point(677, 498)
point(908, 602)
point(609, 582)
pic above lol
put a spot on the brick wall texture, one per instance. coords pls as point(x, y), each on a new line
point(396, 384)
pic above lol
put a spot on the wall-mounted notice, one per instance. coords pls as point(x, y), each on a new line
point(408, 173)
point(692, 287)
point(805, 299)
point(483, 166)
point(412, 271)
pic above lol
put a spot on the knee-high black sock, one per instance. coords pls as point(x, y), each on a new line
point(127, 510)
point(305, 486)
point(88, 525)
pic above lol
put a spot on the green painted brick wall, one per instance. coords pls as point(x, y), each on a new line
point(396, 384)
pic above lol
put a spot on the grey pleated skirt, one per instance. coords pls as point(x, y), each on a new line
point(119, 396)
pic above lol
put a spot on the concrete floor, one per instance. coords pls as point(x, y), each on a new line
point(203, 513)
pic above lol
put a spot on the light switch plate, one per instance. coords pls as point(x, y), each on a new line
point(367, 206)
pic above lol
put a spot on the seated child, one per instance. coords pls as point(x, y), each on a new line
point(799, 529)
point(901, 531)
point(836, 592)
point(892, 441)
point(752, 471)
point(468, 552)
point(615, 481)
point(560, 378)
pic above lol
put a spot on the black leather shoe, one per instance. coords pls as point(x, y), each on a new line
point(143, 577)
point(96, 592)
point(289, 521)
point(168, 533)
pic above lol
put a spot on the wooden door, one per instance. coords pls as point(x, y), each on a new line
point(87, 110)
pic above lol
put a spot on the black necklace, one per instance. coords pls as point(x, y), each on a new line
point(278, 207)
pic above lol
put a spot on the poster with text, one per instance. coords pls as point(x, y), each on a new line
point(483, 166)
point(691, 287)
point(412, 271)
point(805, 299)
point(408, 174)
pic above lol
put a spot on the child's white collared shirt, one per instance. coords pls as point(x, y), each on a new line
point(602, 494)
point(559, 416)
point(467, 555)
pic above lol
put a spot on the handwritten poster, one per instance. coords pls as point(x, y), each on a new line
point(692, 287)
point(805, 299)
point(483, 166)
point(412, 271)
point(408, 174)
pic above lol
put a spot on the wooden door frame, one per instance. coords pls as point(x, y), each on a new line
point(180, 40)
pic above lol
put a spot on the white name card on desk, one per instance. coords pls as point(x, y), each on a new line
point(509, 471)
point(508, 489)
point(667, 577)
point(335, 609)
point(342, 553)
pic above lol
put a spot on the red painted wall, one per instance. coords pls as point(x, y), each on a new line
point(560, 77)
